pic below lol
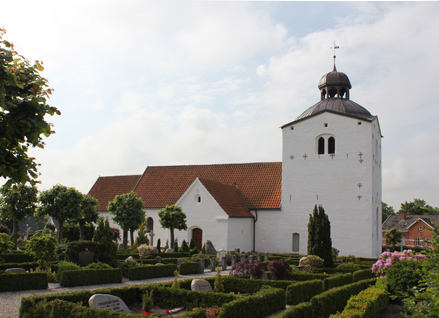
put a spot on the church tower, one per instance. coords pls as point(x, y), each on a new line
point(331, 155)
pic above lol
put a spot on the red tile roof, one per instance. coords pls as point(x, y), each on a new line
point(106, 188)
point(259, 183)
point(228, 197)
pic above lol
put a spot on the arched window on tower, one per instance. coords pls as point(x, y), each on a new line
point(321, 146)
point(149, 225)
point(331, 145)
point(296, 242)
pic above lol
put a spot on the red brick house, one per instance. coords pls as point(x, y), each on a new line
point(414, 228)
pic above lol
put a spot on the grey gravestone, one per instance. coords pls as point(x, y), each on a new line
point(179, 261)
point(202, 264)
point(158, 259)
point(158, 264)
point(210, 250)
point(129, 258)
point(224, 263)
point(213, 264)
point(169, 250)
point(234, 260)
point(220, 254)
point(201, 285)
point(266, 257)
point(250, 257)
point(260, 257)
point(110, 302)
point(16, 270)
point(86, 257)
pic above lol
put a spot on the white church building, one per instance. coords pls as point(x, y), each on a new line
point(331, 155)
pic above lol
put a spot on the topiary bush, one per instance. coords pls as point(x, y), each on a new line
point(348, 267)
point(65, 266)
point(98, 265)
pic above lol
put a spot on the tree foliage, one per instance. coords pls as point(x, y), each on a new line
point(172, 217)
point(127, 211)
point(393, 236)
point(387, 210)
point(418, 207)
point(61, 203)
point(88, 214)
point(17, 204)
point(104, 236)
point(42, 248)
point(5, 243)
point(319, 236)
point(23, 102)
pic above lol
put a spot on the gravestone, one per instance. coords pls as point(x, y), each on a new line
point(201, 266)
point(86, 257)
point(169, 250)
point(250, 257)
point(302, 260)
point(159, 264)
point(259, 257)
point(266, 257)
point(224, 263)
point(220, 254)
point(129, 258)
point(110, 302)
point(213, 264)
point(201, 285)
point(158, 259)
point(210, 250)
point(16, 270)
point(234, 260)
point(179, 261)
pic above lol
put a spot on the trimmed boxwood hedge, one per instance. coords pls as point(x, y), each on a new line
point(26, 266)
point(90, 277)
point(17, 257)
point(369, 303)
point(335, 299)
point(299, 311)
point(362, 275)
point(187, 268)
point(151, 271)
point(299, 292)
point(336, 281)
point(22, 281)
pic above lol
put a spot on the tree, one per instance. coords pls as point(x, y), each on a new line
point(387, 210)
point(23, 102)
point(104, 235)
point(88, 213)
point(61, 203)
point(42, 248)
point(17, 204)
point(319, 236)
point(127, 211)
point(172, 217)
point(418, 207)
point(393, 236)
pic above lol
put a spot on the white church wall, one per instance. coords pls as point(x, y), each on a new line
point(240, 234)
point(342, 183)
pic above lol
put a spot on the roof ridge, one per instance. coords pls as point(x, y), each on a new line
point(219, 164)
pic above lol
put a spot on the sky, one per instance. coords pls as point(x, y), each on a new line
point(147, 83)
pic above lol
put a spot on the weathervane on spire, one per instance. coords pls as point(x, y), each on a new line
point(335, 47)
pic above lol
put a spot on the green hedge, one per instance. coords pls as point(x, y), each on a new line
point(335, 299)
point(266, 301)
point(17, 257)
point(369, 303)
point(299, 311)
point(336, 281)
point(302, 276)
point(26, 266)
point(23, 281)
point(187, 268)
point(151, 271)
point(363, 274)
point(299, 292)
point(90, 277)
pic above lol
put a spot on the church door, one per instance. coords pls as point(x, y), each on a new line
point(197, 235)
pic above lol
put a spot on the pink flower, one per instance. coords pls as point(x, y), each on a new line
point(146, 313)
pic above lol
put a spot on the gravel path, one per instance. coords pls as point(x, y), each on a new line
point(10, 301)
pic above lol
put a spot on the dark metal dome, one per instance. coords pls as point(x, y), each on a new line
point(335, 78)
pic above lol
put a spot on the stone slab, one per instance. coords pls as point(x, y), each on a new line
point(110, 302)
point(201, 285)
point(16, 270)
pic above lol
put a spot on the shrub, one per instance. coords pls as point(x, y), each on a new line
point(151, 271)
point(299, 292)
point(74, 248)
point(126, 266)
point(312, 262)
point(65, 266)
point(184, 248)
point(347, 259)
point(247, 268)
point(387, 259)
point(42, 248)
point(23, 281)
point(98, 265)
point(279, 269)
point(187, 268)
point(90, 277)
point(145, 250)
point(362, 275)
point(348, 267)
point(4, 229)
point(5, 243)
point(147, 300)
point(299, 311)
point(218, 285)
point(402, 276)
point(336, 281)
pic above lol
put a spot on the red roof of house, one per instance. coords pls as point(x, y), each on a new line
point(106, 188)
point(259, 183)
point(228, 197)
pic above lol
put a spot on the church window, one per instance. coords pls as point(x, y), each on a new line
point(292, 127)
point(321, 149)
point(296, 241)
point(331, 145)
point(359, 123)
point(421, 229)
point(417, 241)
point(198, 198)
point(326, 124)
point(149, 224)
